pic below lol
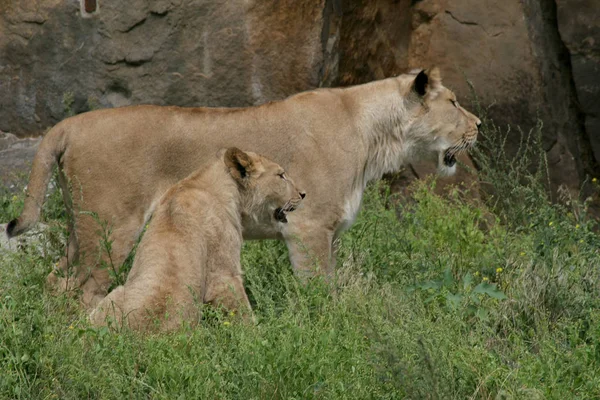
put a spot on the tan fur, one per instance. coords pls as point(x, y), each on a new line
point(119, 162)
point(190, 253)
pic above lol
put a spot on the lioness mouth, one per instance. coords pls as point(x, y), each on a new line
point(449, 158)
point(281, 212)
point(280, 215)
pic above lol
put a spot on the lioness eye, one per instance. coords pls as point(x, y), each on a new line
point(282, 175)
point(454, 103)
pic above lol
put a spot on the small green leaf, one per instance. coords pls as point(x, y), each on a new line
point(430, 298)
point(490, 289)
point(453, 300)
point(482, 314)
point(471, 310)
point(467, 280)
point(448, 277)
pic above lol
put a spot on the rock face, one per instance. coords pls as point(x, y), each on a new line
point(15, 158)
point(579, 27)
point(526, 60)
point(212, 52)
point(510, 52)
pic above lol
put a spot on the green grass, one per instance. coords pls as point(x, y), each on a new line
point(440, 298)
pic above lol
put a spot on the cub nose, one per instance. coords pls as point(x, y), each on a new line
point(303, 194)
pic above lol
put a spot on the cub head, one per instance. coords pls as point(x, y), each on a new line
point(267, 191)
point(441, 127)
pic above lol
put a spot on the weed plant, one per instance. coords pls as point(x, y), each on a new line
point(435, 298)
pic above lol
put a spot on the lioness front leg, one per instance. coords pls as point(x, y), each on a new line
point(311, 252)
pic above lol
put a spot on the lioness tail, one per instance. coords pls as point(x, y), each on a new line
point(50, 149)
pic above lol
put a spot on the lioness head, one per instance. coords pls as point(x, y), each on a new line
point(440, 125)
point(266, 189)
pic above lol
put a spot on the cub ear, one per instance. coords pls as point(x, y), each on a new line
point(428, 82)
point(239, 163)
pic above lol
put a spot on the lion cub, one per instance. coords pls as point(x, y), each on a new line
point(191, 250)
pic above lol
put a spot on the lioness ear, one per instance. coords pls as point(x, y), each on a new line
point(428, 82)
point(239, 163)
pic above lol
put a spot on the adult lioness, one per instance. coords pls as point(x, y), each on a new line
point(191, 250)
point(120, 161)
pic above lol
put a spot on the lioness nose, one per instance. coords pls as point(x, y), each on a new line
point(303, 194)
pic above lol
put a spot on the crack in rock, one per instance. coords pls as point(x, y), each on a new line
point(471, 23)
point(135, 25)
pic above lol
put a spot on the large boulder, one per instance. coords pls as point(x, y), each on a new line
point(503, 59)
point(579, 27)
point(519, 62)
point(54, 61)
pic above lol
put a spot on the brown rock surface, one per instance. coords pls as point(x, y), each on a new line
point(15, 159)
point(212, 52)
point(579, 27)
point(527, 60)
point(510, 52)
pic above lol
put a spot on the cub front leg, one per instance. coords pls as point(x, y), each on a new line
point(229, 292)
point(111, 308)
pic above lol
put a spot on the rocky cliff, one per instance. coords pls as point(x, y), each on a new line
point(527, 60)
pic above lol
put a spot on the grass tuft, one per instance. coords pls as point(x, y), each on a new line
point(440, 297)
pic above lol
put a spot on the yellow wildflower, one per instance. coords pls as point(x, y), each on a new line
point(476, 273)
point(522, 253)
point(577, 226)
point(581, 241)
point(498, 270)
point(231, 313)
point(594, 180)
point(71, 327)
point(226, 323)
point(551, 223)
point(485, 279)
point(15, 198)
